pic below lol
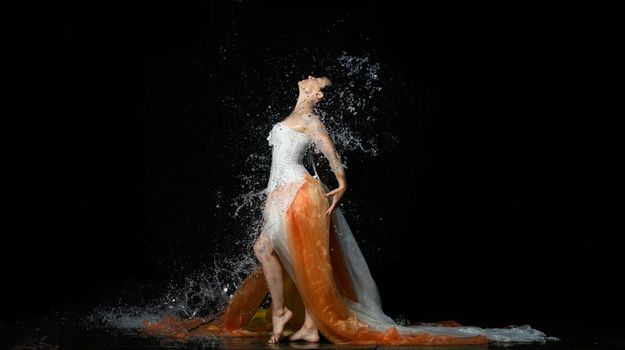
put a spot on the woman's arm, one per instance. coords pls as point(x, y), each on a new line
point(322, 140)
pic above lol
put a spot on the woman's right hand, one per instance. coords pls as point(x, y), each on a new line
point(336, 194)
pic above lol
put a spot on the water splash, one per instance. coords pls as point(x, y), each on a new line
point(350, 108)
point(348, 111)
point(352, 116)
point(204, 293)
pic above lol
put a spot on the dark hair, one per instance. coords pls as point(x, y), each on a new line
point(327, 84)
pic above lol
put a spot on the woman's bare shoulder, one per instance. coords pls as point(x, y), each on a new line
point(313, 121)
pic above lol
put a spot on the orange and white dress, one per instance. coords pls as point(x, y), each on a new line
point(324, 269)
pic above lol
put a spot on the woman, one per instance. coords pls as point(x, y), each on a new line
point(315, 272)
point(292, 137)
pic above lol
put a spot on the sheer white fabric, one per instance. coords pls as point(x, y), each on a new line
point(286, 177)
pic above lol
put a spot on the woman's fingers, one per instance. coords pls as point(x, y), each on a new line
point(337, 193)
point(329, 211)
point(331, 208)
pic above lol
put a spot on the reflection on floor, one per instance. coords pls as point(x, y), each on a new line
point(39, 339)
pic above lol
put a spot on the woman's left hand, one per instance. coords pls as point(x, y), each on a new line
point(337, 193)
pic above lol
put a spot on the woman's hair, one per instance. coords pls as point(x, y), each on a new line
point(326, 82)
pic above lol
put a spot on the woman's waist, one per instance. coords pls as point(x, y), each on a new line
point(280, 176)
point(286, 167)
point(288, 174)
point(287, 161)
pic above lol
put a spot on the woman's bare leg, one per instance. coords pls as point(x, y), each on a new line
point(272, 269)
point(308, 332)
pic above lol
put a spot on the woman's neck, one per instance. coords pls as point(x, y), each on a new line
point(303, 106)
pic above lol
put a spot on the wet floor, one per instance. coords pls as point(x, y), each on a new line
point(102, 338)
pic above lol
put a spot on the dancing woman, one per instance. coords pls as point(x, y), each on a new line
point(312, 267)
point(290, 139)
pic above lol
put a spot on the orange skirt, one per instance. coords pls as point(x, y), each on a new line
point(321, 282)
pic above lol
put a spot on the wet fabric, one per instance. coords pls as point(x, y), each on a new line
point(324, 270)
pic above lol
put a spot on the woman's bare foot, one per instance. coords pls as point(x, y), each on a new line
point(278, 321)
point(309, 334)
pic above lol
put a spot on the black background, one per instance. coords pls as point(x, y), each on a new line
point(501, 204)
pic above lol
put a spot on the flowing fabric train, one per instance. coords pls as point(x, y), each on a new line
point(330, 277)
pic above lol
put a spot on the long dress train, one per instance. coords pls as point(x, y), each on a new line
point(324, 270)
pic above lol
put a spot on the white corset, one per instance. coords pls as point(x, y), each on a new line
point(289, 149)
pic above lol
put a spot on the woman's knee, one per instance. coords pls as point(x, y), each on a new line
point(262, 249)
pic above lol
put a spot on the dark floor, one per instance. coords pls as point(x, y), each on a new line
point(103, 338)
